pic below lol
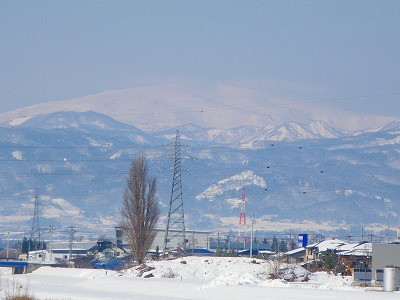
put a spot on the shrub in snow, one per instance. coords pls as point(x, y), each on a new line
point(294, 273)
point(14, 290)
point(168, 273)
point(143, 269)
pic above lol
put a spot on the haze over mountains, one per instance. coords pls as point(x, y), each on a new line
point(301, 177)
point(163, 106)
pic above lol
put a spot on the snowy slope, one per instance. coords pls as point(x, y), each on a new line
point(235, 182)
point(200, 278)
point(292, 131)
point(253, 137)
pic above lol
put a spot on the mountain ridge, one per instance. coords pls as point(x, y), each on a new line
point(81, 170)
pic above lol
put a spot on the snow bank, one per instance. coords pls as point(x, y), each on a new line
point(215, 271)
point(234, 271)
point(192, 278)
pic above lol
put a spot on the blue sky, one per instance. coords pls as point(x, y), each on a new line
point(311, 50)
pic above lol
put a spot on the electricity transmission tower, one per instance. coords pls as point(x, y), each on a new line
point(242, 221)
point(176, 217)
point(35, 230)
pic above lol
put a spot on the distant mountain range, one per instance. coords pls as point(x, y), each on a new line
point(256, 137)
point(299, 177)
point(163, 106)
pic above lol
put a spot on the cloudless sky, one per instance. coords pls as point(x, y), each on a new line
point(52, 50)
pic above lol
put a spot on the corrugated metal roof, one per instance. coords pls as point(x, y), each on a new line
point(75, 245)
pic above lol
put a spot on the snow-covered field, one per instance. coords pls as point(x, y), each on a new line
point(191, 278)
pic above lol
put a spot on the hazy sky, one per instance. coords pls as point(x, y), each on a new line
point(308, 50)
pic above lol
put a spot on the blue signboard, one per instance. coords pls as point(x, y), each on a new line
point(302, 240)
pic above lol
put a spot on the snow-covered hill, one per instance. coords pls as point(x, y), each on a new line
point(315, 177)
point(292, 131)
point(235, 182)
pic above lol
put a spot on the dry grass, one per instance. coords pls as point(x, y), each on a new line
point(21, 298)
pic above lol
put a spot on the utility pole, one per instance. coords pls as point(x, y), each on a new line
point(51, 228)
point(362, 233)
point(71, 231)
point(251, 235)
point(42, 245)
point(348, 235)
point(35, 230)
point(218, 243)
point(8, 242)
point(388, 234)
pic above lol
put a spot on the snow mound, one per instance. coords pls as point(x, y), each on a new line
point(206, 268)
point(221, 271)
point(210, 272)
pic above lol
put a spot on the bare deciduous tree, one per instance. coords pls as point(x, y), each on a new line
point(139, 209)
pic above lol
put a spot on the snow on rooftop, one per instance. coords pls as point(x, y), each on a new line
point(327, 244)
point(294, 251)
point(356, 249)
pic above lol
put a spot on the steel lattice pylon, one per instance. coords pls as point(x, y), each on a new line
point(176, 217)
point(35, 230)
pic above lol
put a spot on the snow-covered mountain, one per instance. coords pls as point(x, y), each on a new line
point(313, 177)
point(292, 131)
point(64, 120)
point(167, 105)
point(255, 137)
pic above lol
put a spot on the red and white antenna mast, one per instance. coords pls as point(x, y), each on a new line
point(242, 220)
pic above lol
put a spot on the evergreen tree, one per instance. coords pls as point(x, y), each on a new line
point(274, 244)
point(293, 245)
point(282, 246)
point(331, 261)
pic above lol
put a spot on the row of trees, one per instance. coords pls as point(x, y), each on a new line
point(282, 246)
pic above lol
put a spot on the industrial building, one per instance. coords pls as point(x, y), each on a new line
point(194, 239)
point(384, 255)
